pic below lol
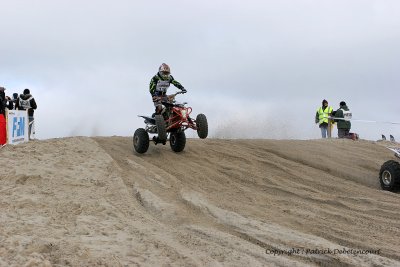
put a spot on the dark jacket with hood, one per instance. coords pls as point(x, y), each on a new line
point(342, 124)
point(3, 103)
point(26, 101)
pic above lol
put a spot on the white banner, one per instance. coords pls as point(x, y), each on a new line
point(17, 126)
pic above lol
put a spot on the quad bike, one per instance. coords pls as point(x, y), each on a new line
point(173, 121)
point(389, 175)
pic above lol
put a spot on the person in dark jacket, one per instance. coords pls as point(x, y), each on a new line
point(15, 99)
point(343, 122)
point(5, 102)
point(27, 102)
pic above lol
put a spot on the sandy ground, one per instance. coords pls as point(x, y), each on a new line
point(94, 202)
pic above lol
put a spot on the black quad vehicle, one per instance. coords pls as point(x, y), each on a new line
point(169, 125)
point(389, 175)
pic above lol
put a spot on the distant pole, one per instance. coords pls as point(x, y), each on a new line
point(329, 128)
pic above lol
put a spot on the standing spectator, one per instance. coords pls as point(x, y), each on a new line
point(322, 117)
point(27, 102)
point(15, 99)
point(343, 115)
point(3, 105)
point(5, 101)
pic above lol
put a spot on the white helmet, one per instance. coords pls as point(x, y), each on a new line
point(164, 70)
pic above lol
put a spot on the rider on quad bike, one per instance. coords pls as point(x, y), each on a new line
point(171, 119)
point(159, 85)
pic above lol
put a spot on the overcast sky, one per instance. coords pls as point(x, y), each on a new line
point(257, 69)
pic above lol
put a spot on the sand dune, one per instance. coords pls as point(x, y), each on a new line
point(92, 201)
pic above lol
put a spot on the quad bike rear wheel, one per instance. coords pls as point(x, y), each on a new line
point(141, 141)
point(177, 140)
point(389, 175)
point(161, 128)
point(202, 126)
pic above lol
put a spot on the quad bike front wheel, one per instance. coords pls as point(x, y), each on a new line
point(202, 126)
point(177, 140)
point(161, 128)
point(389, 175)
point(141, 141)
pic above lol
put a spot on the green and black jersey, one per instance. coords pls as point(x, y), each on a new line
point(159, 86)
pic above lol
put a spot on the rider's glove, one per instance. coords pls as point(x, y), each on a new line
point(183, 90)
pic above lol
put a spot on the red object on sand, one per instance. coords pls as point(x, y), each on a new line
point(3, 132)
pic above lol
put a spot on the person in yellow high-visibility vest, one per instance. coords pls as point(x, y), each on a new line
point(322, 118)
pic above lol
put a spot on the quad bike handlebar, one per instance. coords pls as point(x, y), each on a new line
point(167, 98)
point(172, 97)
